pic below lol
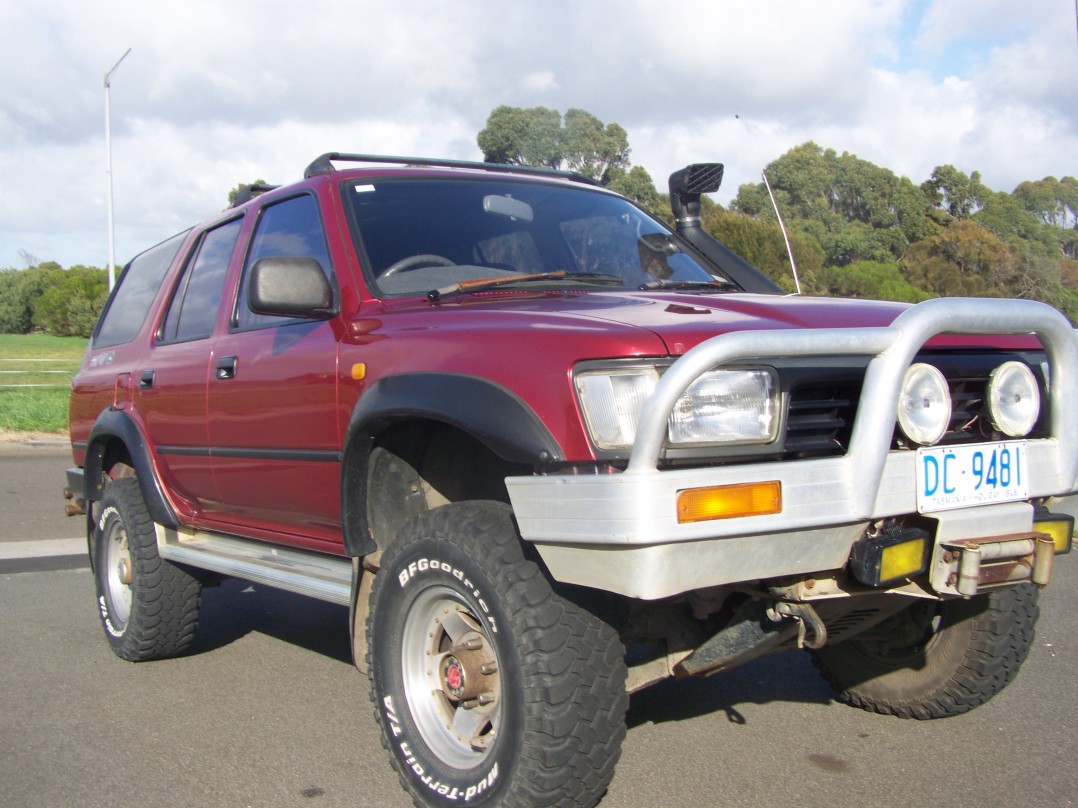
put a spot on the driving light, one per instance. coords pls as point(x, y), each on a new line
point(924, 404)
point(890, 556)
point(1014, 399)
point(1060, 527)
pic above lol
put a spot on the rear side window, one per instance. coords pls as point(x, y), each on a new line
point(193, 310)
point(135, 291)
point(292, 228)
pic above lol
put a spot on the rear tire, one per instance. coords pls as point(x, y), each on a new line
point(488, 687)
point(934, 660)
point(148, 607)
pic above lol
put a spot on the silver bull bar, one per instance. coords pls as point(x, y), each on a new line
point(619, 531)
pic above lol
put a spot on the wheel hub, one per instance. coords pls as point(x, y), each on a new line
point(465, 673)
point(453, 677)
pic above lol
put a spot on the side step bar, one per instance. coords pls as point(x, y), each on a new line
point(316, 575)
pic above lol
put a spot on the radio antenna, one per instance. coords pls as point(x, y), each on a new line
point(782, 226)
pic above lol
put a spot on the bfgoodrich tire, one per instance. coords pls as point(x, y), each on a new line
point(488, 687)
point(935, 659)
point(148, 607)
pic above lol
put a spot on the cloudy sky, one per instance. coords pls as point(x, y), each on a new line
point(218, 93)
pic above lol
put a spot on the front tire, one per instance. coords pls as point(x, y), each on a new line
point(935, 660)
point(148, 607)
point(488, 687)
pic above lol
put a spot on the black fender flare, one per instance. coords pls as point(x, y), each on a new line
point(489, 412)
point(112, 425)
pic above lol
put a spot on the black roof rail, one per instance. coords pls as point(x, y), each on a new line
point(245, 193)
point(323, 164)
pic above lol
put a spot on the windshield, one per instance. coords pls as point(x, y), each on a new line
point(420, 235)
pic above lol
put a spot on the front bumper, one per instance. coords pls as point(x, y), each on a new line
point(620, 531)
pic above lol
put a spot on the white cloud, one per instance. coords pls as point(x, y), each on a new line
point(215, 94)
point(947, 21)
point(543, 82)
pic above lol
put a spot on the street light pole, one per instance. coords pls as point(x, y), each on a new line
point(108, 170)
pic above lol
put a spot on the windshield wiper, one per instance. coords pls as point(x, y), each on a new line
point(704, 286)
point(480, 284)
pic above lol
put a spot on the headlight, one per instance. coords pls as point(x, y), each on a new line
point(726, 406)
point(924, 405)
point(1014, 400)
point(721, 407)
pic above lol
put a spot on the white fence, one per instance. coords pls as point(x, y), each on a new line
point(30, 372)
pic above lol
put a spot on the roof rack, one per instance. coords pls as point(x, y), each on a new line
point(324, 165)
point(245, 193)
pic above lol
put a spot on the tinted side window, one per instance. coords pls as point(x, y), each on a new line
point(193, 310)
point(292, 228)
point(135, 291)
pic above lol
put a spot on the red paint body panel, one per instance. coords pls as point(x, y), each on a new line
point(282, 398)
point(259, 453)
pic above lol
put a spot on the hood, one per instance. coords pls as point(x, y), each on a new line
point(682, 321)
point(639, 322)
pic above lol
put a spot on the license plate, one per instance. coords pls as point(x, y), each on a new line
point(978, 474)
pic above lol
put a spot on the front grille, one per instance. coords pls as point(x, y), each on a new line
point(969, 421)
point(820, 419)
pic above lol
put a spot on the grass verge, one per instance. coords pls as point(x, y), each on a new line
point(35, 382)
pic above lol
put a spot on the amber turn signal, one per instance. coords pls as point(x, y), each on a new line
point(729, 501)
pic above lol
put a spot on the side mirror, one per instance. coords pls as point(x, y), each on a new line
point(291, 287)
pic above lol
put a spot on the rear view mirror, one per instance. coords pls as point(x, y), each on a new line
point(508, 207)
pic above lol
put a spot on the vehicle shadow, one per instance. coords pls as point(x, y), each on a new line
point(237, 608)
point(788, 676)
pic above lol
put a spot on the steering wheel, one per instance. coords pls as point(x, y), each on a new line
point(416, 261)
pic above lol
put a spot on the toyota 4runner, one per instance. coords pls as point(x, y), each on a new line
point(550, 451)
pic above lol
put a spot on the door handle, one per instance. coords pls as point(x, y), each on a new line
point(145, 379)
point(226, 367)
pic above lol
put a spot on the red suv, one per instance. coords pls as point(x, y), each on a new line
point(550, 451)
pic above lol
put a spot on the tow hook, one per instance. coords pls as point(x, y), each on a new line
point(806, 618)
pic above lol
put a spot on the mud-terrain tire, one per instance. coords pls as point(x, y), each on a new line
point(488, 687)
point(935, 660)
point(148, 607)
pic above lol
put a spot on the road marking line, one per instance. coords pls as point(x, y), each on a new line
point(42, 549)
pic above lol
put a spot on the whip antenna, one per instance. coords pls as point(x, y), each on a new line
point(782, 226)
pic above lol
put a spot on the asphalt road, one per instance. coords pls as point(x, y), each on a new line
point(268, 711)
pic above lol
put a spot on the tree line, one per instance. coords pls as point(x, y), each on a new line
point(862, 231)
point(47, 297)
point(856, 229)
